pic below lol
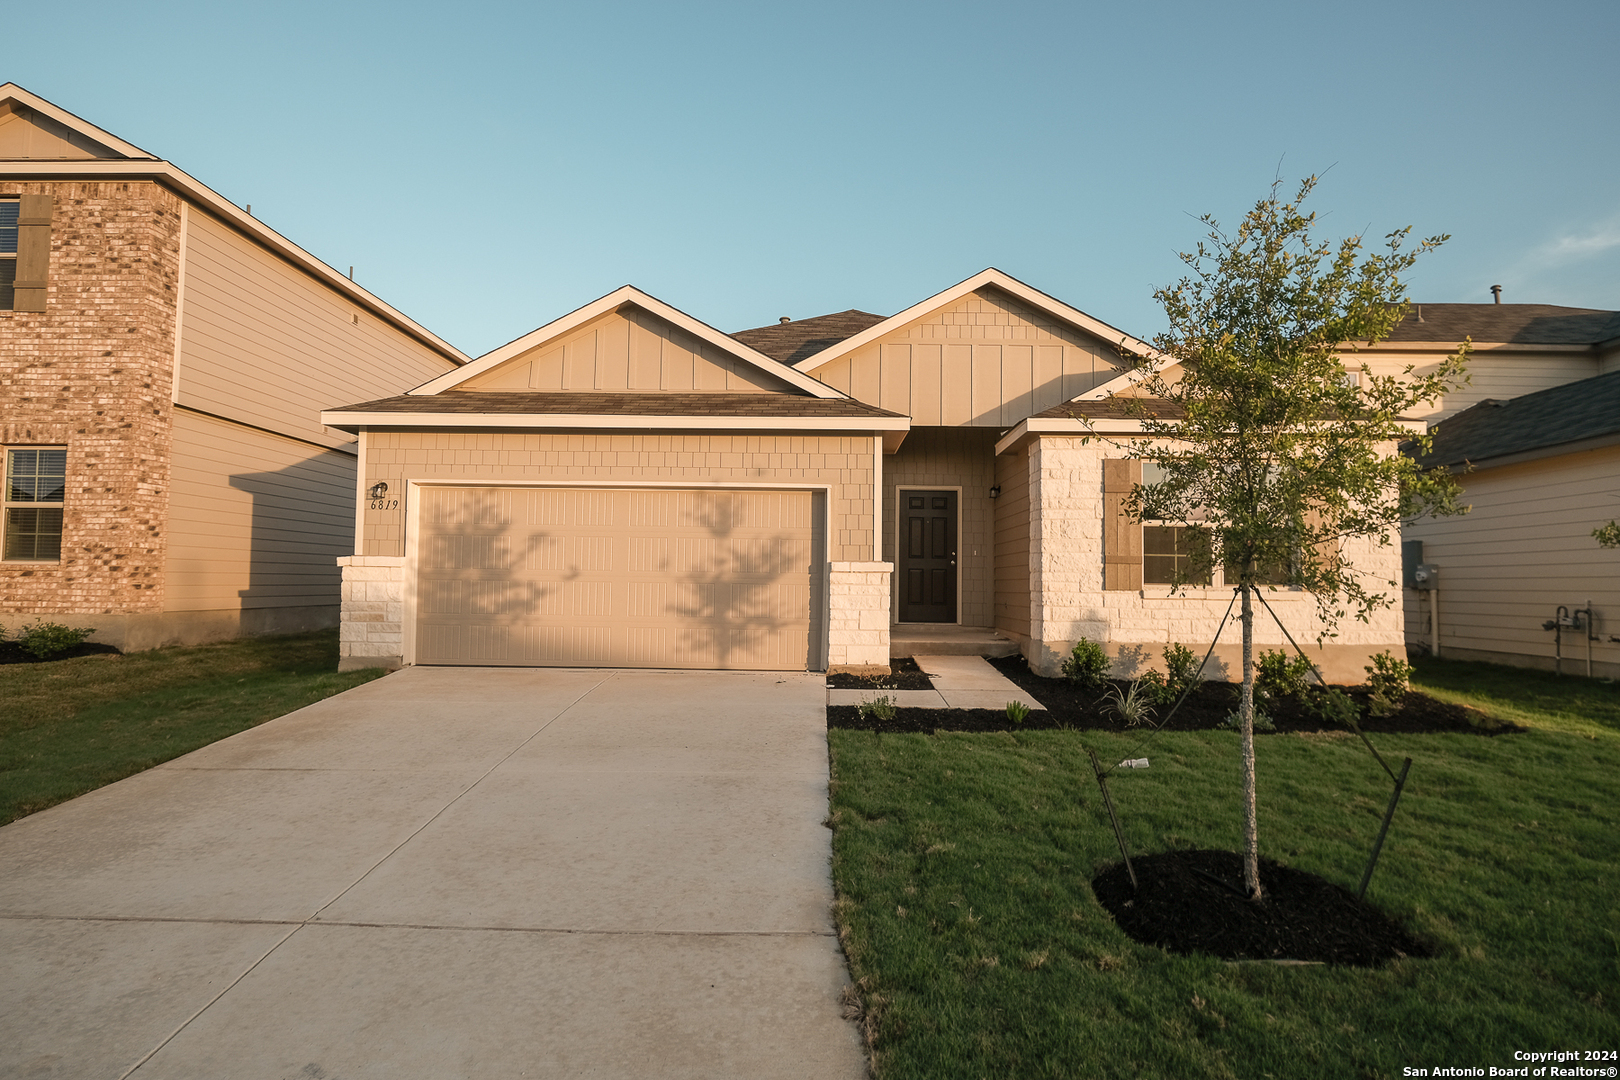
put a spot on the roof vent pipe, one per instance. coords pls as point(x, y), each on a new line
point(1496, 291)
point(784, 319)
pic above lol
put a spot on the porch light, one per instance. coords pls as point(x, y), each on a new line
point(378, 490)
point(995, 491)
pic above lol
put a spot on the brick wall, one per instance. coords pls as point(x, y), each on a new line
point(93, 373)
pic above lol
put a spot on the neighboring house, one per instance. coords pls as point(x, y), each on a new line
point(1541, 471)
point(162, 358)
point(628, 486)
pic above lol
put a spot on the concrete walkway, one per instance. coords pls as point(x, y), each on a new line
point(960, 682)
point(449, 872)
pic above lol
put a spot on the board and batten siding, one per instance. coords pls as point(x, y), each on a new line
point(264, 343)
point(1012, 543)
point(985, 361)
point(938, 458)
point(842, 463)
point(255, 520)
point(1525, 548)
point(630, 350)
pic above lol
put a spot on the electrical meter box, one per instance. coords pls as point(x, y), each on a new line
point(1426, 576)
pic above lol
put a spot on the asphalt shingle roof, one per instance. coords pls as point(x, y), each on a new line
point(791, 342)
point(559, 403)
point(1494, 428)
point(1114, 408)
point(1520, 324)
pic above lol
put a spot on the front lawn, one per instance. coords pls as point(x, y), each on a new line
point(70, 726)
point(963, 866)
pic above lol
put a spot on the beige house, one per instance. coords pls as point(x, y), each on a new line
point(162, 358)
point(1541, 471)
point(628, 486)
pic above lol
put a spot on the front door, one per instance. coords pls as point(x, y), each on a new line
point(928, 556)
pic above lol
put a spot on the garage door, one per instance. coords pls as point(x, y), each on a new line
point(615, 577)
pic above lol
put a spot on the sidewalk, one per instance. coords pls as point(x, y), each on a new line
point(960, 682)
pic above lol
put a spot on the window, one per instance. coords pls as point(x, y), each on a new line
point(36, 480)
point(8, 252)
point(1175, 555)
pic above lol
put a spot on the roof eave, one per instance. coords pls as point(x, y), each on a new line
point(353, 421)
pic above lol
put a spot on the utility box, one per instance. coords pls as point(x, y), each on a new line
point(1425, 576)
point(1411, 556)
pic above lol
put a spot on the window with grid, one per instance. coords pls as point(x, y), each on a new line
point(8, 252)
point(36, 481)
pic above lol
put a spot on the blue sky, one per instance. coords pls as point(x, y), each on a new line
point(487, 167)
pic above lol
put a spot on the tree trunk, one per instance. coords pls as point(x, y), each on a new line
point(1251, 821)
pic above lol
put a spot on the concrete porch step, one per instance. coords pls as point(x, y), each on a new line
point(948, 639)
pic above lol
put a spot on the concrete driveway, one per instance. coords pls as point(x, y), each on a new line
point(449, 872)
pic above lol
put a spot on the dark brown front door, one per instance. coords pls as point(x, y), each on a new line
point(928, 556)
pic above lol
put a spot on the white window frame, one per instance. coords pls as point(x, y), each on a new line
point(7, 504)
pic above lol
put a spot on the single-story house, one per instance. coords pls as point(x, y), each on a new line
point(627, 485)
point(1541, 472)
point(163, 354)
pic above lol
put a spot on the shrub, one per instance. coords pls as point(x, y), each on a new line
point(45, 640)
point(1181, 668)
point(1154, 689)
point(879, 708)
point(1134, 707)
point(1087, 664)
point(1262, 722)
point(1017, 712)
point(1389, 679)
point(1333, 706)
point(1281, 676)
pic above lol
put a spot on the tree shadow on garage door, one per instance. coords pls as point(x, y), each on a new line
point(747, 603)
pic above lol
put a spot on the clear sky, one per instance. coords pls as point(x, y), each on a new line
point(486, 167)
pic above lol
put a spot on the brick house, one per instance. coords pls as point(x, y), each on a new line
point(628, 486)
point(162, 358)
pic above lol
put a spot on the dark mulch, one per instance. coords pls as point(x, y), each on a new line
point(1300, 917)
point(904, 674)
point(12, 653)
point(1211, 703)
point(928, 721)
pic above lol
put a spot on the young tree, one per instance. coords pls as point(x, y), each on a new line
point(1277, 453)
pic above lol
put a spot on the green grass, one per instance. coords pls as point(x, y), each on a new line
point(962, 864)
point(71, 726)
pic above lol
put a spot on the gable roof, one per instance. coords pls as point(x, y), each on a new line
point(1516, 324)
point(791, 342)
point(626, 295)
point(58, 121)
point(1576, 412)
point(991, 277)
point(136, 164)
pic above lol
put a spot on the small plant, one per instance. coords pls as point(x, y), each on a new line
point(1333, 706)
point(1280, 676)
point(1134, 707)
point(1153, 686)
point(880, 708)
point(1017, 712)
point(1262, 722)
point(44, 640)
point(1087, 665)
point(1389, 679)
point(1181, 668)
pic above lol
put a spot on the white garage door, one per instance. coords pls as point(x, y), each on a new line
point(615, 577)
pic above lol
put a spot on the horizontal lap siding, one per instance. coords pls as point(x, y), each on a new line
point(1524, 549)
point(264, 343)
point(254, 520)
point(1490, 375)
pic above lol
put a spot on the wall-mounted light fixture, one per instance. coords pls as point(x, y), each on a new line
point(995, 491)
point(379, 490)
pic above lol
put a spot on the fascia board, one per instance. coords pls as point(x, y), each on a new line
point(13, 92)
point(990, 276)
point(190, 188)
point(352, 421)
point(1074, 426)
point(626, 294)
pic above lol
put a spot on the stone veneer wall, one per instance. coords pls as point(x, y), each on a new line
point(373, 628)
point(858, 632)
point(1067, 600)
point(93, 373)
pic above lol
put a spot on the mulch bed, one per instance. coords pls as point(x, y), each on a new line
point(904, 674)
point(12, 652)
point(1300, 917)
